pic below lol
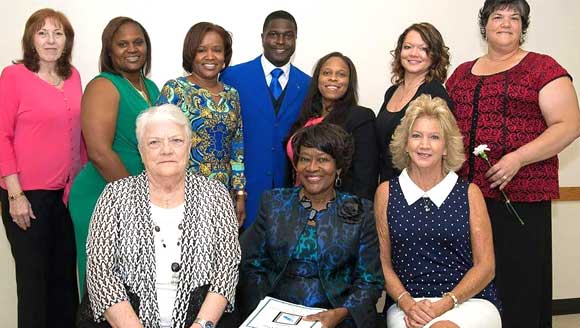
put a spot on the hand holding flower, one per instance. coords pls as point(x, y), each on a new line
point(508, 166)
point(498, 174)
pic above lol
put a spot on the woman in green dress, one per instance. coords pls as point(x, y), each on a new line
point(110, 105)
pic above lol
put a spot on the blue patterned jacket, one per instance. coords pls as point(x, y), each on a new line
point(348, 252)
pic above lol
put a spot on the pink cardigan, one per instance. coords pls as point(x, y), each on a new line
point(40, 133)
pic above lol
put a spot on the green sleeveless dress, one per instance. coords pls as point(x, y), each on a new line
point(89, 183)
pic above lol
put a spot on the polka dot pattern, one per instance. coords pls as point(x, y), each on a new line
point(430, 245)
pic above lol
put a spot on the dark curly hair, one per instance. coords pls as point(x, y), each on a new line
point(329, 138)
point(34, 23)
point(521, 6)
point(437, 51)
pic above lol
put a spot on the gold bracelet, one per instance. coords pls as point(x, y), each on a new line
point(401, 296)
point(16, 196)
point(453, 297)
point(241, 193)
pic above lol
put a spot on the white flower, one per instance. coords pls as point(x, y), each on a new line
point(480, 150)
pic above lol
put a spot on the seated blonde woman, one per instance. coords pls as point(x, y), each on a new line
point(434, 231)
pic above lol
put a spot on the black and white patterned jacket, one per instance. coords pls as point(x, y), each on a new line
point(121, 252)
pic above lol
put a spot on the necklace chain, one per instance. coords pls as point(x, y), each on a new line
point(142, 92)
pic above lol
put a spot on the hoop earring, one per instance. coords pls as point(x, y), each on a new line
point(337, 181)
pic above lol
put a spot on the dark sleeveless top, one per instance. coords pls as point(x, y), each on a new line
point(431, 250)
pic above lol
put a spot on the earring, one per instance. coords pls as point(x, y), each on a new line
point(337, 181)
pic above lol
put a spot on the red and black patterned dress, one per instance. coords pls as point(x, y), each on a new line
point(502, 110)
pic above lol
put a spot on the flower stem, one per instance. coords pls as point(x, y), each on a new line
point(508, 203)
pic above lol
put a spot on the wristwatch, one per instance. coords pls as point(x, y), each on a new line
point(204, 323)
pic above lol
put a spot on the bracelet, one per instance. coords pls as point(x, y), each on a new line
point(401, 296)
point(241, 193)
point(453, 297)
point(16, 195)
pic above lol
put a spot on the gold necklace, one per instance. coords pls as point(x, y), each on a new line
point(142, 92)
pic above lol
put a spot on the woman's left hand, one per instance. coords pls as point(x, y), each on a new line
point(504, 170)
point(241, 210)
point(329, 318)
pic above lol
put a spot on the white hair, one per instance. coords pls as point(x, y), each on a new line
point(167, 113)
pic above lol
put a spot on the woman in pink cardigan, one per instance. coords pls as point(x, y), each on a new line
point(40, 153)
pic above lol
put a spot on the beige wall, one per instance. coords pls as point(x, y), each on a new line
point(365, 30)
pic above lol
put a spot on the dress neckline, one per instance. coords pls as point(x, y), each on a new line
point(497, 73)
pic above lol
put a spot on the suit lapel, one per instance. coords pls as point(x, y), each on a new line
point(292, 91)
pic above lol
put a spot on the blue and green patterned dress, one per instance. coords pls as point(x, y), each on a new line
point(217, 142)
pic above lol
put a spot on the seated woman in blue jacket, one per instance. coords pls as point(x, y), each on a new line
point(313, 245)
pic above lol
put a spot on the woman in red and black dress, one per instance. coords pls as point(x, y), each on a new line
point(523, 106)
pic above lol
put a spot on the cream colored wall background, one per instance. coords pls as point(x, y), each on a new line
point(365, 30)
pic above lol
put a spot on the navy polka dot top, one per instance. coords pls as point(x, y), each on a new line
point(430, 246)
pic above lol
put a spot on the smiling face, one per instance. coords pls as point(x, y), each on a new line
point(49, 41)
point(333, 79)
point(279, 41)
point(316, 171)
point(164, 149)
point(415, 57)
point(426, 145)
point(129, 49)
point(209, 57)
point(504, 28)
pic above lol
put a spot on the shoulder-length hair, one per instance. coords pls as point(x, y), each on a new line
point(105, 60)
point(435, 108)
point(312, 105)
point(437, 51)
point(34, 23)
point(194, 37)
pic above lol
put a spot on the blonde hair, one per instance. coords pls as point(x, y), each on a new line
point(435, 108)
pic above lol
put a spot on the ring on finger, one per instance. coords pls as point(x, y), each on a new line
point(504, 178)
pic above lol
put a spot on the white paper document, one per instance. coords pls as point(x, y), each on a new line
point(275, 313)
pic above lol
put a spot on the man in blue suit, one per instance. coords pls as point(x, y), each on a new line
point(271, 93)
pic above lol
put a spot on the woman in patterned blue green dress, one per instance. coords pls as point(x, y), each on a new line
point(213, 108)
point(313, 245)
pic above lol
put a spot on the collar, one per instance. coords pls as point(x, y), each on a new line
point(268, 67)
point(437, 194)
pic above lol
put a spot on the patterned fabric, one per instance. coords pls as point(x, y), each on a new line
point(217, 143)
point(347, 251)
point(121, 250)
point(502, 111)
point(431, 250)
point(89, 183)
point(300, 283)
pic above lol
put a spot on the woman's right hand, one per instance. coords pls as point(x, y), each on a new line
point(417, 314)
point(21, 212)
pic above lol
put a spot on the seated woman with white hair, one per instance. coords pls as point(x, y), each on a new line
point(162, 247)
point(435, 236)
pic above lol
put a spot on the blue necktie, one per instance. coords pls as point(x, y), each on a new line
point(275, 86)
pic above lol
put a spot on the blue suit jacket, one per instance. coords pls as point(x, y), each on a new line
point(265, 159)
point(348, 252)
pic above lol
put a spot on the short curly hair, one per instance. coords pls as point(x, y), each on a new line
point(435, 108)
point(329, 138)
point(521, 6)
point(437, 51)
